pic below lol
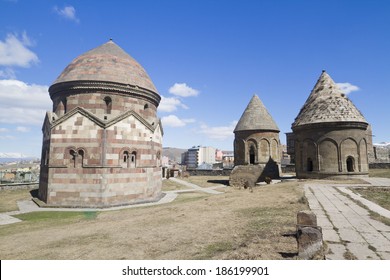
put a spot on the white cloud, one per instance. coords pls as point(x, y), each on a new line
point(23, 103)
point(170, 104)
point(7, 73)
point(14, 52)
point(68, 12)
point(347, 87)
point(174, 121)
point(183, 90)
point(22, 129)
point(2, 129)
point(218, 132)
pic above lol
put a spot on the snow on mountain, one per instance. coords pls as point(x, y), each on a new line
point(383, 144)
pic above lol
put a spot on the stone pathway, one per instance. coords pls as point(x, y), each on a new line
point(27, 206)
point(347, 227)
point(196, 187)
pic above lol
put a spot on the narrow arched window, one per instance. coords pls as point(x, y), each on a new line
point(133, 159)
point(125, 159)
point(350, 164)
point(73, 158)
point(309, 165)
point(81, 158)
point(108, 102)
point(252, 155)
point(146, 106)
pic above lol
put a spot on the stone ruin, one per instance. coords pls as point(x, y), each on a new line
point(257, 150)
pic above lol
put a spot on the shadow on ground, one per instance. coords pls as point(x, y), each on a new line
point(222, 182)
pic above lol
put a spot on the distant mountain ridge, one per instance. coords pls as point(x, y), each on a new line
point(15, 157)
point(173, 153)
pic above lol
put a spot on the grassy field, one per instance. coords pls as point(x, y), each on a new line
point(236, 224)
point(9, 198)
point(384, 173)
point(380, 196)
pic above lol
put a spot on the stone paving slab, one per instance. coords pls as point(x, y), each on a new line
point(337, 251)
point(371, 205)
point(384, 255)
point(362, 236)
point(351, 235)
point(6, 219)
point(330, 235)
point(361, 251)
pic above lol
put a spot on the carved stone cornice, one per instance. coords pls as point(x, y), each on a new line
point(82, 87)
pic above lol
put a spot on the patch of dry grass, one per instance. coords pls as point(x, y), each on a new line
point(384, 173)
point(207, 181)
point(9, 199)
point(169, 185)
point(380, 196)
point(237, 224)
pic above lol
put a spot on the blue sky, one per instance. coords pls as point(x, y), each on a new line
point(206, 58)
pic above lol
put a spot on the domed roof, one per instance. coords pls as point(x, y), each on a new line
point(327, 103)
point(256, 117)
point(107, 63)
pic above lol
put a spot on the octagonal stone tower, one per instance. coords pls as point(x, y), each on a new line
point(331, 135)
point(102, 142)
point(257, 152)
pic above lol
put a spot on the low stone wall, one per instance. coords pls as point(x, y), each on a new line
point(290, 168)
point(207, 172)
point(18, 186)
point(379, 165)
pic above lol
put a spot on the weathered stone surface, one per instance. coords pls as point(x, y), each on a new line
point(331, 137)
point(257, 151)
point(306, 218)
point(310, 244)
point(102, 143)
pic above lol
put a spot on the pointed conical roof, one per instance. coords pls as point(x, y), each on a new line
point(256, 117)
point(327, 103)
point(107, 63)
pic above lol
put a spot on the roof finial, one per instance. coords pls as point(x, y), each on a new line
point(323, 71)
point(110, 39)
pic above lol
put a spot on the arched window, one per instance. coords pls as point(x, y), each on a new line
point(73, 158)
point(350, 164)
point(146, 106)
point(133, 159)
point(252, 154)
point(108, 102)
point(125, 159)
point(309, 165)
point(81, 155)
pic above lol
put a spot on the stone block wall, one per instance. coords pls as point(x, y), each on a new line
point(96, 164)
point(331, 150)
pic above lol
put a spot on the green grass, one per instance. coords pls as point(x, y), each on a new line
point(56, 217)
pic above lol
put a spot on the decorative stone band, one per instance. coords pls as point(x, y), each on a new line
point(332, 125)
point(102, 123)
point(79, 87)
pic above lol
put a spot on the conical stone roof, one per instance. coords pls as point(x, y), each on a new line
point(327, 104)
point(256, 117)
point(107, 63)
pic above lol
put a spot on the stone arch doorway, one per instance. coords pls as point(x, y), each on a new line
point(350, 164)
